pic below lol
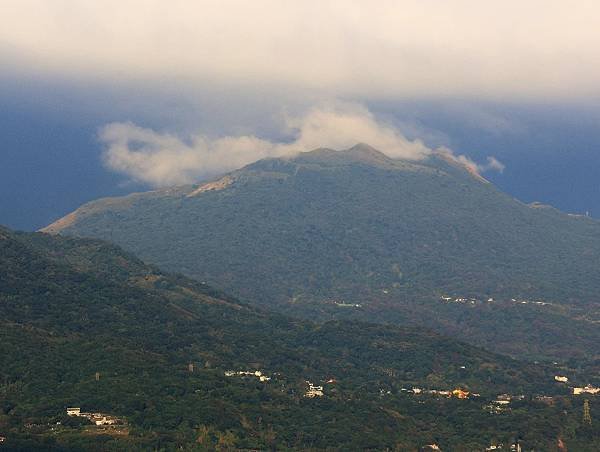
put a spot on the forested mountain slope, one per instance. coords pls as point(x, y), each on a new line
point(394, 236)
point(71, 308)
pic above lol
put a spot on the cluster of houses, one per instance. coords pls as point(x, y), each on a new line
point(588, 389)
point(515, 447)
point(501, 402)
point(492, 447)
point(539, 303)
point(462, 300)
point(96, 418)
point(475, 301)
point(458, 393)
point(247, 373)
point(313, 391)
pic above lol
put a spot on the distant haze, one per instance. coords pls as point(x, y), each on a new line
point(514, 48)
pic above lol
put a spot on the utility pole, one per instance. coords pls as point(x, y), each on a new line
point(587, 418)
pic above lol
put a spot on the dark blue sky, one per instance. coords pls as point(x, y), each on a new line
point(50, 156)
point(551, 152)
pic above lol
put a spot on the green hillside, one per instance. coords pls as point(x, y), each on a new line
point(357, 227)
point(71, 308)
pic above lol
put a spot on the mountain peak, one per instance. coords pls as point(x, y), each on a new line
point(358, 154)
point(364, 148)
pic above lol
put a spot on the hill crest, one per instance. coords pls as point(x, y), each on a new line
point(359, 228)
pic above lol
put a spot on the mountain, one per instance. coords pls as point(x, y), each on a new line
point(360, 228)
point(71, 309)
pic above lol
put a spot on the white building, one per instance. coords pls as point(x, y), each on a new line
point(561, 379)
point(96, 418)
point(313, 391)
point(75, 411)
point(101, 419)
point(589, 389)
point(431, 447)
point(493, 447)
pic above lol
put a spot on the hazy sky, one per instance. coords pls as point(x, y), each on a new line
point(103, 97)
point(375, 49)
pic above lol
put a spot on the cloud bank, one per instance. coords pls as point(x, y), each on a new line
point(162, 159)
point(359, 49)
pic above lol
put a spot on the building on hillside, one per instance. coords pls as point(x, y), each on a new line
point(561, 379)
point(494, 447)
point(103, 419)
point(440, 392)
point(430, 447)
point(460, 394)
point(248, 373)
point(589, 389)
point(96, 418)
point(313, 391)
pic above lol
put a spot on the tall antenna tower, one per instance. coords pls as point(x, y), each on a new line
point(587, 418)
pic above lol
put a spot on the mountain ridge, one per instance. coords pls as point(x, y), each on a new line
point(393, 236)
point(360, 153)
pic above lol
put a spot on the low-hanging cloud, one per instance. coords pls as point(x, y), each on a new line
point(163, 159)
point(362, 49)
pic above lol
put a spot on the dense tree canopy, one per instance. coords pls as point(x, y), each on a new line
point(71, 308)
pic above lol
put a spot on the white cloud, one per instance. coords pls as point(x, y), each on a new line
point(360, 49)
point(162, 159)
point(492, 164)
